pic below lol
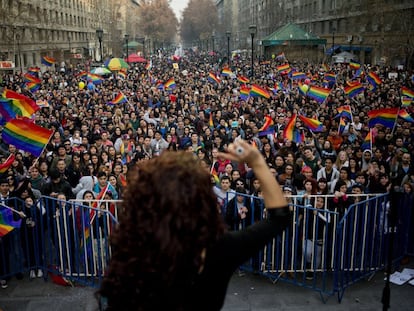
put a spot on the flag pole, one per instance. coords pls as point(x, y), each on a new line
point(396, 119)
point(44, 147)
point(13, 210)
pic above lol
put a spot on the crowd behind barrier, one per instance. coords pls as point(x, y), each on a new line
point(323, 249)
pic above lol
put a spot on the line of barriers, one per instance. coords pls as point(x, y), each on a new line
point(327, 247)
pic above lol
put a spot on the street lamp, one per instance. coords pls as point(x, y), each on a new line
point(99, 34)
point(212, 41)
point(333, 40)
point(126, 44)
point(19, 53)
point(252, 29)
point(228, 34)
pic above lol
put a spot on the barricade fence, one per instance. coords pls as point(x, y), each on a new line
point(327, 247)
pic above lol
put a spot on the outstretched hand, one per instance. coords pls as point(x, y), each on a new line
point(241, 151)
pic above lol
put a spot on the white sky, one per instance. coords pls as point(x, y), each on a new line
point(178, 6)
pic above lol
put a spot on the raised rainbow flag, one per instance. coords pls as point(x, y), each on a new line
point(226, 72)
point(213, 78)
point(297, 75)
point(268, 122)
point(312, 124)
point(26, 105)
point(342, 125)
point(407, 92)
point(345, 112)
point(284, 67)
point(354, 65)
point(243, 79)
point(244, 92)
point(367, 143)
point(256, 90)
point(374, 79)
point(34, 70)
point(403, 114)
point(386, 117)
point(8, 109)
point(215, 176)
point(280, 56)
point(210, 120)
point(7, 223)
point(358, 73)
point(5, 166)
point(330, 77)
point(30, 78)
point(170, 84)
point(148, 66)
point(318, 93)
point(32, 87)
point(291, 133)
point(26, 135)
point(119, 99)
point(406, 101)
point(354, 89)
point(48, 61)
point(278, 87)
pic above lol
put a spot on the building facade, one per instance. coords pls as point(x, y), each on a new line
point(377, 31)
point(63, 29)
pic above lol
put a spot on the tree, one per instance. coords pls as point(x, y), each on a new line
point(158, 21)
point(199, 20)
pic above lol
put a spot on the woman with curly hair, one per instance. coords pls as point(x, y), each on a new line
point(171, 250)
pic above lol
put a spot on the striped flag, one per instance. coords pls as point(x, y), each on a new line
point(386, 117)
point(367, 143)
point(7, 222)
point(291, 132)
point(403, 114)
point(256, 90)
point(213, 78)
point(312, 124)
point(5, 166)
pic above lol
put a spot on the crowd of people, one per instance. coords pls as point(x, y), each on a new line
point(96, 142)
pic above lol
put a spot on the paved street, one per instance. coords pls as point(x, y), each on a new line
point(246, 293)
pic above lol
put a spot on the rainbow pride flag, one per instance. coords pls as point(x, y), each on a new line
point(213, 78)
point(26, 105)
point(5, 166)
point(7, 223)
point(318, 93)
point(386, 117)
point(48, 61)
point(119, 99)
point(297, 75)
point(280, 56)
point(284, 67)
point(30, 78)
point(312, 124)
point(26, 135)
point(210, 120)
point(170, 84)
point(34, 70)
point(215, 176)
point(403, 114)
point(256, 90)
point(226, 72)
point(291, 133)
point(345, 112)
point(148, 66)
point(32, 87)
point(243, 79)
point(268, 122)
point(342, 125)
point(330, 77)
point(278, 87)
point(244, 92)
point(354, 89)
point(8, 110)
point(367, 143)
point(354, 65)
point(406, 101)
point(374, 79)
point(407, 92)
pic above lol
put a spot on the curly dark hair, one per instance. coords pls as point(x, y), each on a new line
point(169, 217)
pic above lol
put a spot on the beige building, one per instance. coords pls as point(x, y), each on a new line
point(64, 29)
point(377, 31)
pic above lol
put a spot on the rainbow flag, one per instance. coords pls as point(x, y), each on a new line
point(42, 103)
point(342, 125)
point(406, 101)
point(403, 114)
point(30, 78)
point(215, 176)
point(330, 77)
point(26, 105)
point(122, 75)
point(148, 66)
point(345, 112)
point(268, 123)
point(297, 75)
point(7, 223)
point(34, 70)
point(325, 67)
point(259, 91)
point(354, 89)
point(5, 166)
point(243, 79)
point(33, 87)
point(170, 84)
point(312, 124)
point(26, 135)
point(210, 121)
point(119, 99)
point(244, 92)
point(284, 67)
point(278, 87)
point(373, 79)
point(280, 56)
point(48, 61)
point(8, 110)
point(291, 133)
point(318, 93)
point(407, 92)
point(367, 143)
point(386, 117)
point(354, 65)
point(212, 78)
point(226, 72)
point(358, 73)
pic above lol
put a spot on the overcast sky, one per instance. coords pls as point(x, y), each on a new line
point(178, 7)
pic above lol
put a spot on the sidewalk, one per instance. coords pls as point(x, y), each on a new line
point(246, 293)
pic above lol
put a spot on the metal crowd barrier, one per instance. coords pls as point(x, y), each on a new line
point(323, 249)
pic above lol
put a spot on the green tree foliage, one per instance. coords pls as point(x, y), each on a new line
point(158, 21)
point(199, 20)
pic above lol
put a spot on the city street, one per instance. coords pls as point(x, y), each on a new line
point(245, 293)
